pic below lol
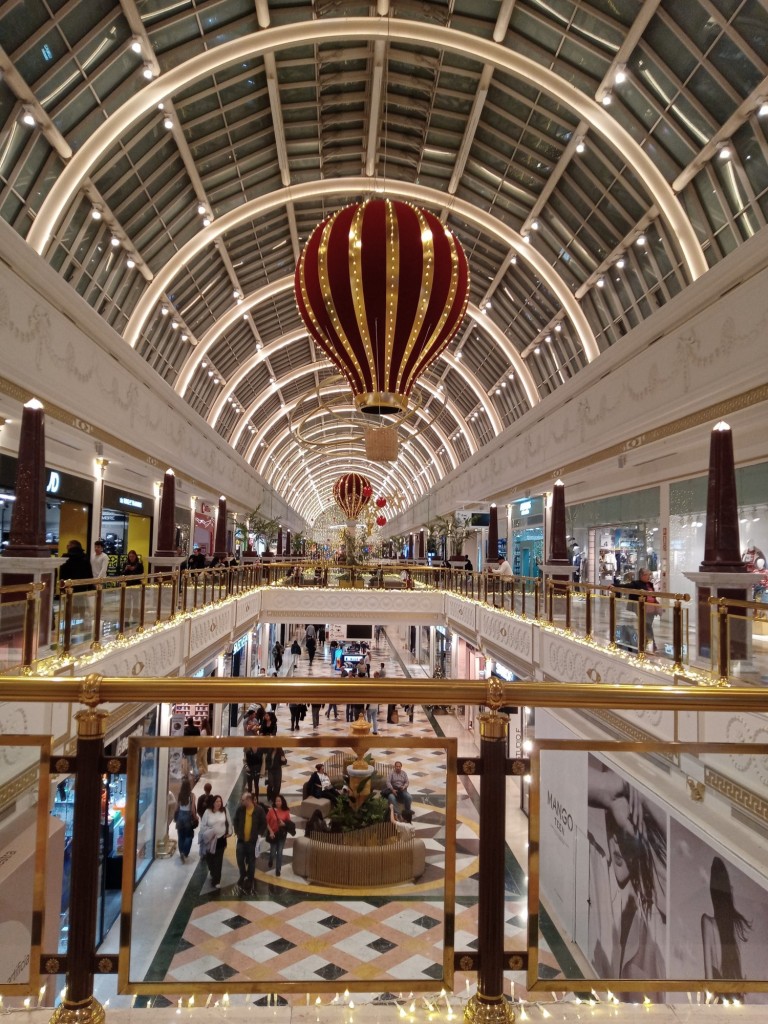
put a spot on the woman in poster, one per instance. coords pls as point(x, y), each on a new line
point(627, 881)
point(724, 929)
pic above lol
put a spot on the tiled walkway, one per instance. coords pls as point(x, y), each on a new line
point(288, 931)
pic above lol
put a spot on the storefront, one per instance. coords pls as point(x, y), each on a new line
point(613, 538)
point(527, 536)
point(205, 527)
point(68, 505)
point(113, 797)
point(126, 525)
point(183, 519)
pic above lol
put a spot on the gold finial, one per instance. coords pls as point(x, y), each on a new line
point(89, 691)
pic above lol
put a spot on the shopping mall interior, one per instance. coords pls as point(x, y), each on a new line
point(426, 336)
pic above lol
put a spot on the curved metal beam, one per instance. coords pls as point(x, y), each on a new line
point(367, 28)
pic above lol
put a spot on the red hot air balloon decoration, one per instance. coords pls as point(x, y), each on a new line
point(381, 520)
point(382, 287)
point(349, 494)
point(381, 502)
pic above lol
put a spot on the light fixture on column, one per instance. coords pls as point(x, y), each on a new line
point(102, 463)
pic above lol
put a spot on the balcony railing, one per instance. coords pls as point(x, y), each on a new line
point(584, 797)
point(726, 638)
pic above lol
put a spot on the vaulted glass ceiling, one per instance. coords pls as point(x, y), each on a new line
point(594, 158)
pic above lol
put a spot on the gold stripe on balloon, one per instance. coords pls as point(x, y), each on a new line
point(330, 306)
point(447, 305)
point(393, 280)
point(355, 256)
point(427, 282)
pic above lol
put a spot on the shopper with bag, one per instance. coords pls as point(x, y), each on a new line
point(250, 825)
point(214, 829)
point(279, 826)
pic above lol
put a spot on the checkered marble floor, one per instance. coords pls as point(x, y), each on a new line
point(288, 933)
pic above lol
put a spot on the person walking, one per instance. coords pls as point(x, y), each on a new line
point(275, 763)
point(202, 752)
point(652, 607)
point(99, 561)
point(204, 801)
point(278, 817)
point(316, 709)
point(295, 710)
point(277, 655)
point(372, 715)
point(295, 655)
point(185, 819)
point(250, 825)
point(214, 829)
point(189, 753)
point(332, 708)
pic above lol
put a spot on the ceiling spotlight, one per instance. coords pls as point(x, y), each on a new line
point(272, 380)
point(96, 213)
point(201, 209)
point(206, 222)
point(204, 365)
point(185, 337)
point(210, 373)
point(163, 310)
point(601, 282)
point(621, 263)
point(762, 110)
point(537, 350)
point(526, 237)
point(235, 294)
point(245, 316)
point(130, 263)
point(620, 74)
point(513, 261)
point(114, 242)
point(259, 346)
point(216, 380)
point(488, 304)
point(640, 240)
point(535, 225)
point(174, 325)
point(607, 99)
point(580, 145)
point(168, 122)
point(498, 391)
point(136, 44)
point(28, 117)
point(548, 339)
point(558, 327)
point(148, 72)
point(724, 151)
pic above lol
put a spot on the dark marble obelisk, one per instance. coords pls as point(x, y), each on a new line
point(27, 534)
point(220, 544)
point(166, 532)
point(493, 534)
point(722, 551)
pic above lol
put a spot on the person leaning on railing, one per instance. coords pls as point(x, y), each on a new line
point(652, 607)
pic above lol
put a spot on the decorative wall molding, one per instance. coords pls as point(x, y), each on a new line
point(156, 654)
point(210, 627)
point(305, 604)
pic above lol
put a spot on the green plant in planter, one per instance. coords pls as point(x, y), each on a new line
point(344, 817)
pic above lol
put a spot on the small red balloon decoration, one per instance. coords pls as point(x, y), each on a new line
point(381, 502)
point(381, 520)
point(367, 491)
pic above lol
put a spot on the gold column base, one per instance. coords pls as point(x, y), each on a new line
point(484, 1010)
point(165, 847)
point(90, 1011)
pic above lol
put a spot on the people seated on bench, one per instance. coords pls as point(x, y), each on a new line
point(396, 790)
point(316, 823)
point(320, 786)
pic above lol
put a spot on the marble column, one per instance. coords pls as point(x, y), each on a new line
point(166, 531)
point(722, 572)
point(279, 550)
point(421, 543)
point(411, 547)
point(288, 543)
point(493, 534)
point(27, 559)
point(220, 544)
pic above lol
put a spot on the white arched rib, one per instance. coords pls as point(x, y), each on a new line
point(393, 29)
point(257, 208)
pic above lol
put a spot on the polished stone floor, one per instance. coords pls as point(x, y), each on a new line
point(377, 942)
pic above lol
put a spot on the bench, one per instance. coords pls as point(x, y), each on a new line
point(361, 866)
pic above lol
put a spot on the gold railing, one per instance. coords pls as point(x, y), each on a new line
point(96, 612)
point(89, 763)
